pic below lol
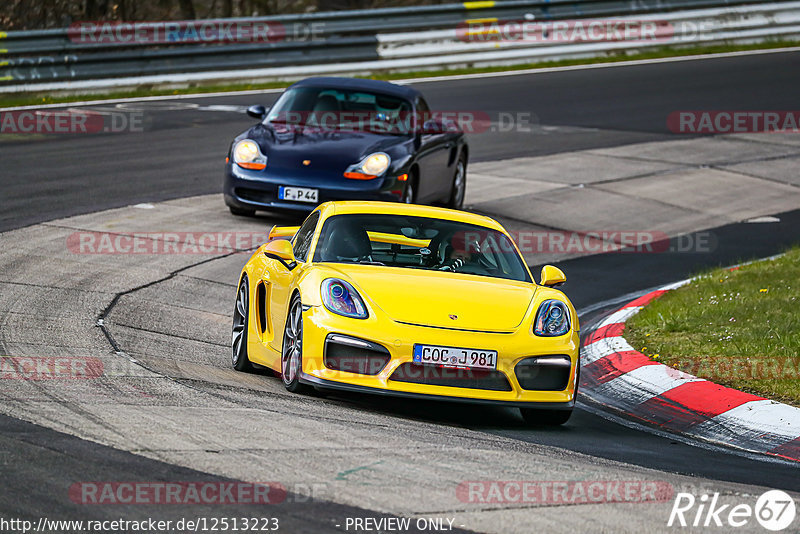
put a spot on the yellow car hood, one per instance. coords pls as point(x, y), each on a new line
point(430, 298)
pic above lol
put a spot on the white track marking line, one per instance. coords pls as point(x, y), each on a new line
point(621, 315)
point(766, 415)
point(604, 347)
point(760, 425)
point(693, 441)
point(147, 99)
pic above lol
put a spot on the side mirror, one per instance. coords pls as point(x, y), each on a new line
point(257, 112)
point(552, 276)
point(281, 250)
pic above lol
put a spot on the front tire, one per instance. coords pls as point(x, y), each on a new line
point(410, 192)
point(241, 321)
point(538, 417)
point(459, 188)
point(292, 351)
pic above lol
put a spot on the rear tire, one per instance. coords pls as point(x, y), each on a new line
point(240, 212)
point(539, 417)
point(241, 322)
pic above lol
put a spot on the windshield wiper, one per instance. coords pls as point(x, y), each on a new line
point(370, 262)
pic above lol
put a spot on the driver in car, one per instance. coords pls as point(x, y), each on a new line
point(461, 250)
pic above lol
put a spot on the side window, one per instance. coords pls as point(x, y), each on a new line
point(302, 239)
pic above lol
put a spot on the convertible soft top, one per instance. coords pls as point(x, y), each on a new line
point(375, 86)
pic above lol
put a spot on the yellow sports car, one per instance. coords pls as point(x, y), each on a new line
point(408, 300)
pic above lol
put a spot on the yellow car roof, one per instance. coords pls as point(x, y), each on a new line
point(396, 208)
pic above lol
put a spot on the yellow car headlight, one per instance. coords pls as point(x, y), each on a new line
point(247, 154)
point(342, 298)
point(552, 319)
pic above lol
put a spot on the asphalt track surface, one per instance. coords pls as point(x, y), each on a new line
point(181, 154)
point(42, 464)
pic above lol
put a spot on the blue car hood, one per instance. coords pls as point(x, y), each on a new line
point(329, 152)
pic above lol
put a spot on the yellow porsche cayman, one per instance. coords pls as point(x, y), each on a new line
point(408, 300)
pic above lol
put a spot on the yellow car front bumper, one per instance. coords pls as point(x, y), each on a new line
point(399, 340)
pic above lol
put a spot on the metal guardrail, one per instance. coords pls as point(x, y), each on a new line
point(379, 39)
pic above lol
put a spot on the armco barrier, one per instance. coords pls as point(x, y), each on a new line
point(364, 41)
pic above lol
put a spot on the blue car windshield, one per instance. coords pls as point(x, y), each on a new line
point(342, 110)
point(419, 243)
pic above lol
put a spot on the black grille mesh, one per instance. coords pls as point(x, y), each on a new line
point(346, 358)
point(542, 377)
point(434, 375)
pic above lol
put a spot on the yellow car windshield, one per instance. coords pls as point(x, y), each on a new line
point(419, 243)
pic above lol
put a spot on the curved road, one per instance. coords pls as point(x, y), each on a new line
point(182, 150)
point(181, 154)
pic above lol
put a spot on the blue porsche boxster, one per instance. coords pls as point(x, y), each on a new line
point(345, 139)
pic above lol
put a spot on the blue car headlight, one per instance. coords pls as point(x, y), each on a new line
point(247, 155)
point(370, 167)
point(552, 319)
point(342, 298)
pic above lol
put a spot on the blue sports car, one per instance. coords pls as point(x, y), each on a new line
point(345, 139)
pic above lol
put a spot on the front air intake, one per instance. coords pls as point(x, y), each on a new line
point(353, 355)
point(544, 373)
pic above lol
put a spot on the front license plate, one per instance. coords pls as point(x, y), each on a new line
point(298, 194)
point(455, 356)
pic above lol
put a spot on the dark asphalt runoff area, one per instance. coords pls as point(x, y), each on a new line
point(39, 468)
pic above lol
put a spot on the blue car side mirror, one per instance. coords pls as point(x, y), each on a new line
point(257, 112)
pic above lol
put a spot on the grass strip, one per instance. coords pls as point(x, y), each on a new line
point(739, 327)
